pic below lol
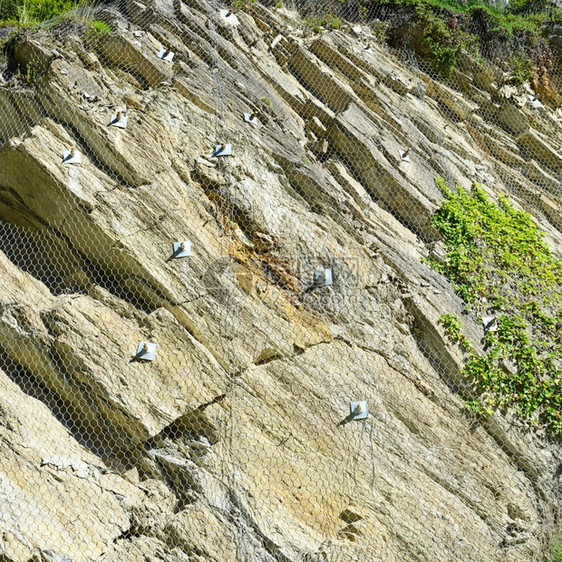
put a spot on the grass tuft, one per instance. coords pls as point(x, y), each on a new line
point(555, 548)
point(30, 12)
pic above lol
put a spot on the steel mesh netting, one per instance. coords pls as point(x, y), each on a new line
point(219, 338)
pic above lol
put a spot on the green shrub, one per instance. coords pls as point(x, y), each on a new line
point(500, 265)
point(328, 21)
point(521, 67)
point(449, 27)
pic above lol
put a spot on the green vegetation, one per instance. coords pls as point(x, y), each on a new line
point(98, 29)
point(500, 265)
point(33, 71)
point(521, 67)
point(241, 4)
point(27, 12)
point(449, 27)
point(441, 29)
point(555, 553)
point(328, 21)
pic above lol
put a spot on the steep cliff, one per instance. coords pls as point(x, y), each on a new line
point(236, 442)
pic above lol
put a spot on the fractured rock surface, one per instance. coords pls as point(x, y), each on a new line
point(236, 441)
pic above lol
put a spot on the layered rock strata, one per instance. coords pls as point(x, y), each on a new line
point(236, 442)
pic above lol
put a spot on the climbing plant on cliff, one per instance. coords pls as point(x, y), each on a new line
point(499, 263)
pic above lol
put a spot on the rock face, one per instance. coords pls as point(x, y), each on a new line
point(236, 442)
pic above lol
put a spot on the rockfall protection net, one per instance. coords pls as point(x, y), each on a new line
point(238, 320)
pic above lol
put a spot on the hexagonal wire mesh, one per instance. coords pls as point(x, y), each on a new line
point(217, 238)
